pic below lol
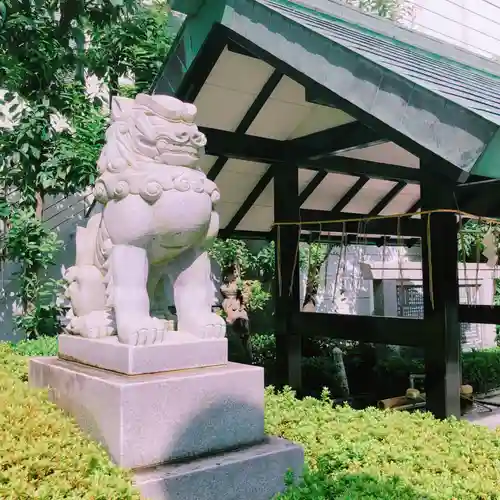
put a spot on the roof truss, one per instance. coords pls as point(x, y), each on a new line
point(315, 151)
point(262, 150)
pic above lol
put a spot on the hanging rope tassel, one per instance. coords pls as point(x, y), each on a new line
point(429, 261)
point(278, 260)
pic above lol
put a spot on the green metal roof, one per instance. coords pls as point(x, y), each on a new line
point(472, 88)
point(439, 96)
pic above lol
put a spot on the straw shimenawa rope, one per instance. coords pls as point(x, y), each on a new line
point(301, 224)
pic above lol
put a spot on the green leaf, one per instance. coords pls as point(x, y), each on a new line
point(35, 152)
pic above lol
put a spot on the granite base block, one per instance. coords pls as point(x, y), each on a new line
point(180, 351)
point(254, 473)
point(145, 420)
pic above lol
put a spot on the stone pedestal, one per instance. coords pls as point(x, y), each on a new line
point(180, 351)
point(188, 422)
point(253, 473)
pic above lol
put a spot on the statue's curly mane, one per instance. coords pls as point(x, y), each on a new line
point(153, 129)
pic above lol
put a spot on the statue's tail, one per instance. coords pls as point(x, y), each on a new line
point(102, 256)
point(90, 314)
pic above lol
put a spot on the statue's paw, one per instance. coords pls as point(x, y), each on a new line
point(96, 325)
point(142, 331)
point(211, 327)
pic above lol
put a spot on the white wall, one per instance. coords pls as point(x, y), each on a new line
point(470, 24)
point(364, 281)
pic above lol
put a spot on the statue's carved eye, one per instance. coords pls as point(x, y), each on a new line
point(198, 139)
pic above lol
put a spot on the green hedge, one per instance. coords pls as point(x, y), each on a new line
point(42, 346)
point(383, 370)
point(372, 454)
point(481, 369)
point(350, 454)
point(43, 454)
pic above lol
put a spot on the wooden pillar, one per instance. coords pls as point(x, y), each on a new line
point(441, 294)
point(287, 291)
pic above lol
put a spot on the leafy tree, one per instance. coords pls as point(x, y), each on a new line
point(396, 10)
point(57, 127)
point(135, 46)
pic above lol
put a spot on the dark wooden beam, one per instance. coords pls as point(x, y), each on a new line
point(245, 123)
point(388, 226)
point(200, 68)
point(287, 283)
point(387, 198)
point(246, 235)
point(481, 314)
point(261, 99)
point(372, 169)
point(217, 167)
point(311, 187)
point(263, 150)
point(351, 193)
point(318, 94)
point(376, 329)
point(479, 199)
point(414, 208)
point(441, 298)
point(346, 136)
point(238, 49)
point(250, 200)
point(244, 147)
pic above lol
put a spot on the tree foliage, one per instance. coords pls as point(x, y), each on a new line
point(134, 46)
point(47, 49)
point(396, 10)
point(231, 254)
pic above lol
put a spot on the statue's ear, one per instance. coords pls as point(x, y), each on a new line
point(120, 106)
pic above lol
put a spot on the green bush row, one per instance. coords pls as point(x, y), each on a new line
point(43, 454)
point(381, 369)
point(391, 455)
point(350, 454)
point(481, 369)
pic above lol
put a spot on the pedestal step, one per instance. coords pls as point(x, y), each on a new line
point(145, 420)
point(180, 351)
point(253, 473)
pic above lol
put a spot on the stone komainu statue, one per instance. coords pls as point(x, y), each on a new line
point(158, 213)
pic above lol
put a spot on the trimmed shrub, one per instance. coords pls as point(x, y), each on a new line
point(372, 454)
point(43, 453)
point(42, 346)
point(481, 369)
point(350, 454)
point(384, 372)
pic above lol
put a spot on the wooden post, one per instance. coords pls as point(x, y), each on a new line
point(287, 291)
point(441, 294)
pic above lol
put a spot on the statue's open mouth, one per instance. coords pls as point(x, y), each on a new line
point(184, 150)
point(166, 154)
